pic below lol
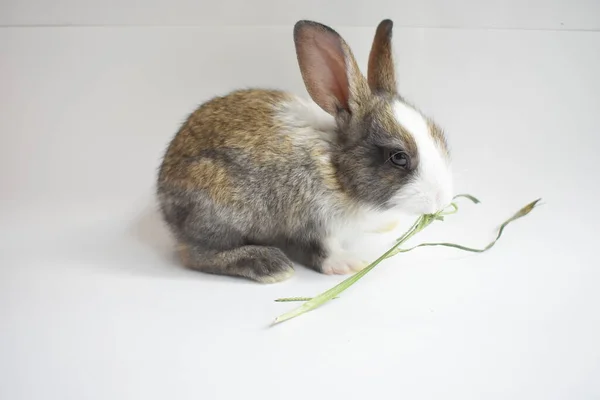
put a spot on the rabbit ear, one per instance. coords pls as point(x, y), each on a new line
point(381, 75)
point(329, 70)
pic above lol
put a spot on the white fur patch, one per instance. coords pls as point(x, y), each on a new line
point(312, 127)
point(432, 188)
point(359, 234)
point(353, 237)
point(301, 113)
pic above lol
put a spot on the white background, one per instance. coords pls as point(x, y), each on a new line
point(532, 14)
point(93, 304)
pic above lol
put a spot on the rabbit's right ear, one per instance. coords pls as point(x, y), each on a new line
point(380, 73)
point(329, 70)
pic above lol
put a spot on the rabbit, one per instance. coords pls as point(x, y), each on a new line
point(258, 180)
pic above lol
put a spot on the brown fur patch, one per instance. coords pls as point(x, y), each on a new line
point(242, 120)
point(327, 171)
point(438, 136)
point(184, 255)
point(207, 174)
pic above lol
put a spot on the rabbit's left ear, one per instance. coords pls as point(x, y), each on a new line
point(330, 72)
point(381, 75)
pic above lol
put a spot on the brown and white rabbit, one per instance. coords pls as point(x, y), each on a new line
point(258, 178)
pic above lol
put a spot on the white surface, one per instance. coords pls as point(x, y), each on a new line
point(503, 14)
point(94, 306)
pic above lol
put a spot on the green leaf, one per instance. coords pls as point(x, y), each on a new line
point(421, 223)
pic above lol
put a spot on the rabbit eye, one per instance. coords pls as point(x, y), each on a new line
point(399, 159)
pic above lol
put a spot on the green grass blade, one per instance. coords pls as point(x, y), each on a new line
point(292, 299)
point(519, 214)
point(454, 210)
point(467, 196)
point(345, 284)
point(325, 296)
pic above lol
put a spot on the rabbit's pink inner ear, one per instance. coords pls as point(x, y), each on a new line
point(323, 66)
point(380, 74)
